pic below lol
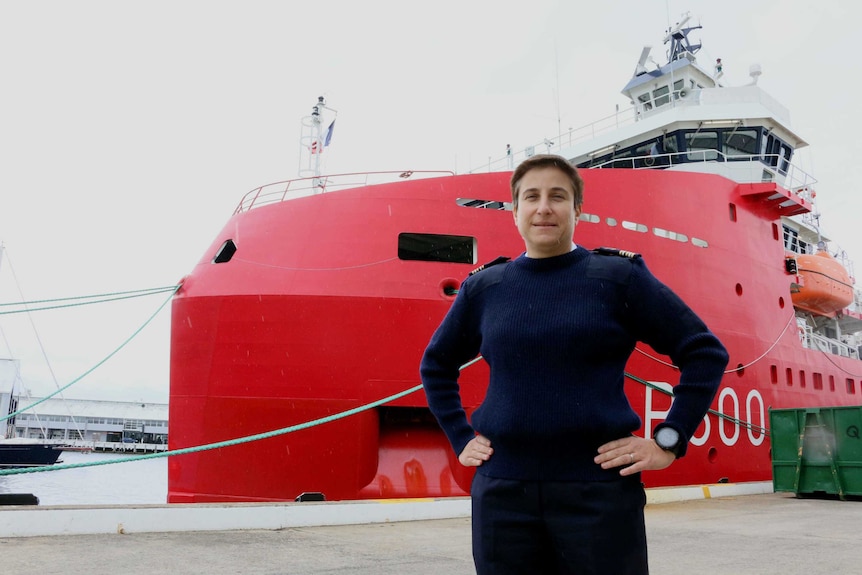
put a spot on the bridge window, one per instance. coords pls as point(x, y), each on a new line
point(437, 248)
point(669, 143)
point(777, 153)
point(740, 143)
point(661, 96)
point(644, 100)
point(702, 146)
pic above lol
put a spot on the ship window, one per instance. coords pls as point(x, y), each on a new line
point(623, 159)
point(612, 222)
point(851, 386)
point(661, 96)
point(831, 383)
point(740, 143)
point(592, 218)
point(644, 99)
point(789, 373)
point(669, 235)
point(772, 150)
point(818, 380)
point(732, 212)
point(677, 86)
point(699, 243)
point(786, 153)
point(701, 146)
point(646, 155)
point(792, 243)
point(225, 252)
point(773, 374)
point(635, 227)
point(801, 378)
point(669, 144)
point(483, 204)
point(437, 248)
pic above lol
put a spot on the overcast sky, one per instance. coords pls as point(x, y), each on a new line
point(130, 130)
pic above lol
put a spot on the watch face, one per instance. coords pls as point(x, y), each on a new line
point(667, 438)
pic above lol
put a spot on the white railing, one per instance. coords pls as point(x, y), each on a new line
point(278, 192)
point(816, 341)
point(786, 173)
point(561, 142)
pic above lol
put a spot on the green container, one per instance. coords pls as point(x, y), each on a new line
point(817, 450)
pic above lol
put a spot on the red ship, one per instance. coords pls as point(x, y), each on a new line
point(320, 294)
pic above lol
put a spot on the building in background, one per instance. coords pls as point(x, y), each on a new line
point(70, 420)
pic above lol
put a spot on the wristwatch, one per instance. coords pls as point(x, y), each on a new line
point(669, 439)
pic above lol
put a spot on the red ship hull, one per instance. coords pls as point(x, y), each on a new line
point(315, 314)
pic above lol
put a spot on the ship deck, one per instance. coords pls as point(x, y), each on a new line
point(762, 534)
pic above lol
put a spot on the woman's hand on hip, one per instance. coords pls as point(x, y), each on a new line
point(477, 452)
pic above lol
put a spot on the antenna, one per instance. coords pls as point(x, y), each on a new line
point(557, 70)
point(680, 45)
point(641, 67)
point(312, 140)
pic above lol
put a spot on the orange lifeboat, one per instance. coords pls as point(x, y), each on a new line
point(825, 286)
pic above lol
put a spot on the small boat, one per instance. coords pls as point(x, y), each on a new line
point(824, 287)
point(20, 451)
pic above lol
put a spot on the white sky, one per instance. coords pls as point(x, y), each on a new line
point(130, 130)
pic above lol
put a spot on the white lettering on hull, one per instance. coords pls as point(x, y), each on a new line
point(729, 426)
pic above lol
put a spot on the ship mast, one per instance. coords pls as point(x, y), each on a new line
point(680, 46)
point(313, 140)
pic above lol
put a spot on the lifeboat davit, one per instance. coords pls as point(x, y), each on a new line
point(825, 286)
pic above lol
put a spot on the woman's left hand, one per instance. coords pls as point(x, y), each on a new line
point(633, 454)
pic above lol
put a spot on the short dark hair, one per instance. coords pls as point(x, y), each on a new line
point(548, 161)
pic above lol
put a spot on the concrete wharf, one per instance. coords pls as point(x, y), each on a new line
point(760, 534)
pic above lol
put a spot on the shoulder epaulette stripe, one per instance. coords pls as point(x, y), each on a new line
point(498, 260)
point(616, 252)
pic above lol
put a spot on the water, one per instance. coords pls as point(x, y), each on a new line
point(128, 482)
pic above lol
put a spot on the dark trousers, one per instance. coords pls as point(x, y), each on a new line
point(570, 527)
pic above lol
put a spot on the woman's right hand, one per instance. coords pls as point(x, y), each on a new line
point(477, 452)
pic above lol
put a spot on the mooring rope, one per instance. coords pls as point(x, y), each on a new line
point(115, 296)
point(230, 442)
point(173, 290)
point(307, 425)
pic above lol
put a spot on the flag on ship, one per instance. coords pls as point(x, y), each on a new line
point(329, 133)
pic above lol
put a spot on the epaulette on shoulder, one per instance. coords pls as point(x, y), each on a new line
point(616, 252)
point(498, 260)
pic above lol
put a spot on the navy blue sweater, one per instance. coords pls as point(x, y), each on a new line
point(556, 333)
